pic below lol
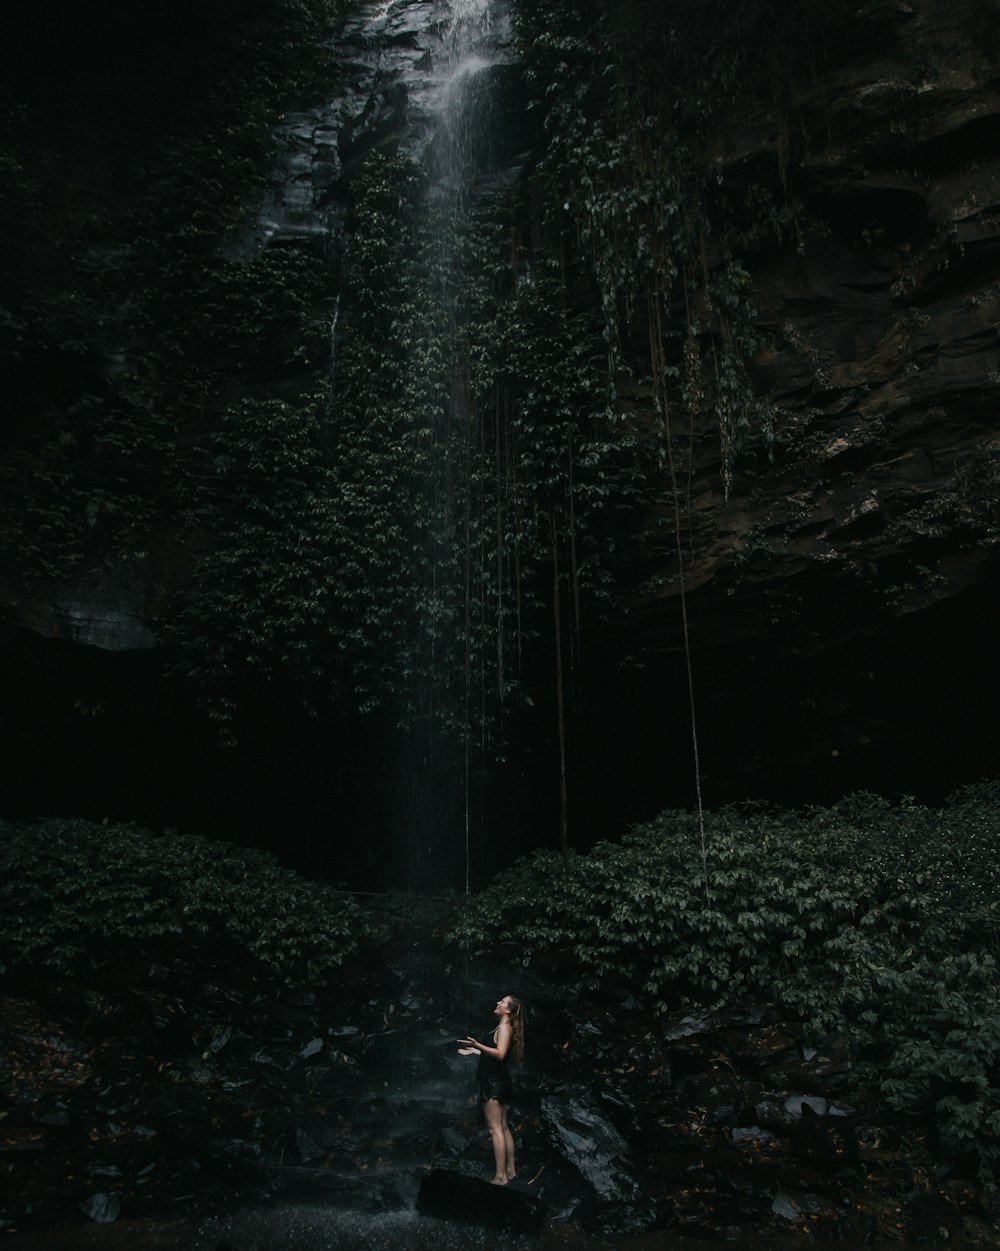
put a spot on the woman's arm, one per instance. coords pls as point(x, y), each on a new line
point(499, 1052)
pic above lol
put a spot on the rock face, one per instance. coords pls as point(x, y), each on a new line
point(197, 1086)
point(450, 1195)
point(388, 90)
point(841, 601)
point(883, 317)
point(837, 600)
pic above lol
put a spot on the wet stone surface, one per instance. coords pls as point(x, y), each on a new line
point(182, 1089)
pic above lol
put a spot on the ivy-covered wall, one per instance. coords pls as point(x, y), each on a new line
point(134, 147)
point(147, 346)
point(699, 399)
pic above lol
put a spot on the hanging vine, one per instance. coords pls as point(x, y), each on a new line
point(629, 99)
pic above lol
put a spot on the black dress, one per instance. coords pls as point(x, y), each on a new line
point(494, 1079)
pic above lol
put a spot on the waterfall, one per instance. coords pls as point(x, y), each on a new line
point(438, 812)
point(440, 735)
point(398, 179)
point(334, 318)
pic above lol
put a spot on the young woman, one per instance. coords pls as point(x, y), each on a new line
point(495, 1086)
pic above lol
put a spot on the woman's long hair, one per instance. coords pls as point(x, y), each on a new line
point(516, 1018)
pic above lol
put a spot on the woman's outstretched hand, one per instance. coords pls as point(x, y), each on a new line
point(467, 1046)
point(467, 1051)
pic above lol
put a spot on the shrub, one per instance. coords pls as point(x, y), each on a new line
point(779, 916)
point(874, 919)
point(67, 887)
point(931, 1046)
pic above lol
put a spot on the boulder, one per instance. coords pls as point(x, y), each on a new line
point(451, 1195)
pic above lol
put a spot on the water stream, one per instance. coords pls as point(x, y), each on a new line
point(442, 750)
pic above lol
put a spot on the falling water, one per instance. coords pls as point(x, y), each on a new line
point(437, 815)
point(335, 317)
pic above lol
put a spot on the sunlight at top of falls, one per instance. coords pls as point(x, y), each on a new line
point(463, 12)
point(447, 93)
point(467, 68)
point(465, 9)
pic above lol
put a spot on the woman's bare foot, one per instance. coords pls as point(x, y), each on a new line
point(498, 1181)
point(511, 1176)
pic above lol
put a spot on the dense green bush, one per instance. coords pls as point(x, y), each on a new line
point(950, 853)
point(789, 895)
point(929, 1043)
point(68, 888)
point(779, 916)
point(881, 921)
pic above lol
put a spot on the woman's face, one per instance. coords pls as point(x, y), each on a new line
point(503, 1006)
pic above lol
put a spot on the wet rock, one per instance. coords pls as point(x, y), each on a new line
point(102, 1208)
point(57, 1117)
point(825, 1142)
point(807, 1211)
point(453, 1141)
point(587, 1140)
point(797, 1106)
point(772, 1114)
point(102, 1169)
point(753, 1134)
point(220, 1039)
point(933, 1218)
point(689, 1027)
point(449, 1194)
point(307, 1147)
point(785, 1207)
point(763, 1048)
point(343, 1032)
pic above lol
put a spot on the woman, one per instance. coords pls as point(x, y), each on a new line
point(495, 1086)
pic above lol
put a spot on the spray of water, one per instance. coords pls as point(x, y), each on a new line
point(438, 813)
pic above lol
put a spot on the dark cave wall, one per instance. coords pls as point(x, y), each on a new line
point(841, 601)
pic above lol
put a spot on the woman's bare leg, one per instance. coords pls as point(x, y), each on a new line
point(493, 1112)
point(510, 1169)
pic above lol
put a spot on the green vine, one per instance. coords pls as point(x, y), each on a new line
point(127, 324)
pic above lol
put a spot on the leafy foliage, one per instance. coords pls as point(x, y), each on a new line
point(125, 315)
point(930, 1044)
point(259, 605)
point(631, 99)
point(949, 854)
point(881, 921)
point(778, 918)
point(477, 437)
point(68, 889)
point(471, 407)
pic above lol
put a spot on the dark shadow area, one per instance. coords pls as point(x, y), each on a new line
point(911, 713)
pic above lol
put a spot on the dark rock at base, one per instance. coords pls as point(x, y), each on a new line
point(102, 1208)
point(627, 1219)
point(447, 1194)
point(764, 1047)
point(688, 1027)
point(583, 1136)
point(449, 1139)
point(933, 1218)
point(829, 1143)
